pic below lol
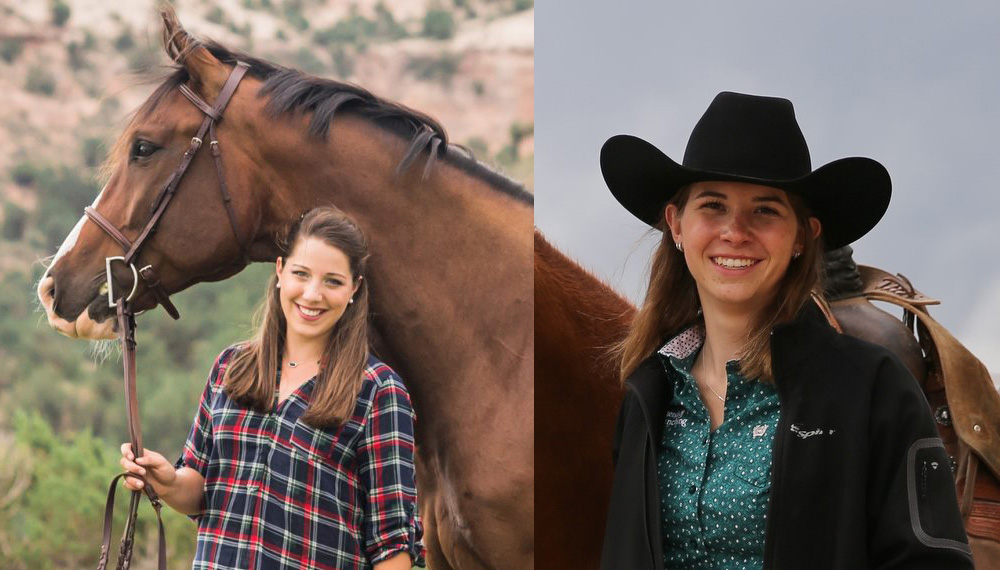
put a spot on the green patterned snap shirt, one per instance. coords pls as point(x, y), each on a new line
point(714, 485)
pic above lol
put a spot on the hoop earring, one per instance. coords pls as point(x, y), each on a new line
point(679, 247)
point(796, 254)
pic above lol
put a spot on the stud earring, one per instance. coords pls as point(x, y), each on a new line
point(277, 285)
point(351, 301)
point(796, 254)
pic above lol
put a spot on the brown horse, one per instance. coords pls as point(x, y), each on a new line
point(577, 317)
point(450, 268)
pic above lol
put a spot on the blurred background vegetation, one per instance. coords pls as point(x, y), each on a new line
point(71, 71)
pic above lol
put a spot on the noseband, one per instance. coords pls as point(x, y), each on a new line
point(126, 316)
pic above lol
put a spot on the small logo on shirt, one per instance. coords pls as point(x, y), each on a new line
point(807, 433)
point(759, 431)
point(676, 419)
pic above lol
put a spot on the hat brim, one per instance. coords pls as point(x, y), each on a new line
point(849, 196)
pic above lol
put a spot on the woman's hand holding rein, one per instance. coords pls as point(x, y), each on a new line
point(181, 488)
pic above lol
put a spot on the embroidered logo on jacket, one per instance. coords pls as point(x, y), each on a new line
point(806, 433)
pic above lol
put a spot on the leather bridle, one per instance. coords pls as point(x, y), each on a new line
point(126, 315)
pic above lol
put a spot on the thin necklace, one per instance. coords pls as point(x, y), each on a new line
point(721, 399)
point(709, 386)
point(293, 363)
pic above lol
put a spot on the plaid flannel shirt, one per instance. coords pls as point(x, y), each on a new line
point(282, 494)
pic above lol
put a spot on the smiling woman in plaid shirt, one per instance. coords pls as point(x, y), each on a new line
point(301, 451)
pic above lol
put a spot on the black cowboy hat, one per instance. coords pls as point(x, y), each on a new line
point(747, 138)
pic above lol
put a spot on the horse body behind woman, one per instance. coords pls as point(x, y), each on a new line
point(450, 271)
point(576, 318)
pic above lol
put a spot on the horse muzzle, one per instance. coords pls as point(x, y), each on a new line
point(83, 326)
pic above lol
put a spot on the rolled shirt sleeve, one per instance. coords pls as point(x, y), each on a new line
point(386, 469)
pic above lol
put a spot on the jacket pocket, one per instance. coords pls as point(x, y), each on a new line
point(931, 495)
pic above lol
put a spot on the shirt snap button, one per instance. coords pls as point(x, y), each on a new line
point(693, 489)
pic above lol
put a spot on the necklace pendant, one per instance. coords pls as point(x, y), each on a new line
point(292, 364)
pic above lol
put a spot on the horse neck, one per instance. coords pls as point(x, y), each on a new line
point(450, 254)
point(577, 319)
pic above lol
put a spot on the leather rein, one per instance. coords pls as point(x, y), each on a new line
point(126, 315)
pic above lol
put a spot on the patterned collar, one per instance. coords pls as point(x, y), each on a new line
point(685, 343)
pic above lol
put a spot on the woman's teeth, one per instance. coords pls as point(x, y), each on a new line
point(733, 263)
point(310, 312)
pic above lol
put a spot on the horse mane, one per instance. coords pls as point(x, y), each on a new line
point(291, 91)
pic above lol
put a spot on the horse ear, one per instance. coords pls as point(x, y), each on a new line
point(207, 73)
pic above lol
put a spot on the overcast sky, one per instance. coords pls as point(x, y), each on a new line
point(914, 84)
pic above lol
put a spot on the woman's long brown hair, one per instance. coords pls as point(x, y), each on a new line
point(251, 377)
point(672, 304)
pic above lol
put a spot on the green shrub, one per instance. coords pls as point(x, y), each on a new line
point(439, 24)
point(246, 30)
point(93, 150)
point(519, 131)
point(478, 146)
point(292, 11)
point(216, 15)
point(142, 60)
point(24, 174)
point(60, 12)
point(62, 194)
point(358, 30)
point(14, 221)
point(124, 41)
point(507, 156)
point(41, 81)
point(77, 61)
point(520, 5)
point(55, 522)
point(441, 68)
point(11, 48)
point(343, 63)
point(351, 30)
point(307, 61)
point(386, 25)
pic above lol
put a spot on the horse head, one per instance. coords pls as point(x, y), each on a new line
point(198, 237)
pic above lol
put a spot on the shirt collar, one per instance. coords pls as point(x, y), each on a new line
point(679, 352)
point(685, 343)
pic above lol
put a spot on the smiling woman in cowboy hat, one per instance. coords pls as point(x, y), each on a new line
point(752, 434)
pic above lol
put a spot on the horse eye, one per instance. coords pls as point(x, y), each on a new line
point(143, 149)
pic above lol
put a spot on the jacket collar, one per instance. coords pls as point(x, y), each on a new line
point(794, 341)
point(653, 390)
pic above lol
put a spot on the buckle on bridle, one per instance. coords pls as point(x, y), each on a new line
point(111, 288)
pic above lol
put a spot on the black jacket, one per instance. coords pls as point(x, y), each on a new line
point(860, 478)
